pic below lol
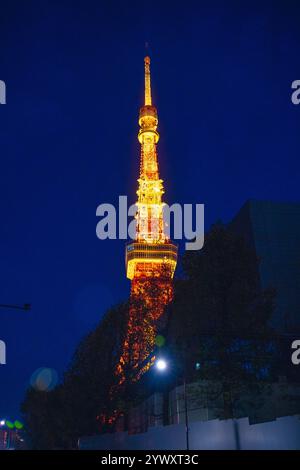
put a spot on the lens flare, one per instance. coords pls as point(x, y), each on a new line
point(44, 379)
point(160, 341)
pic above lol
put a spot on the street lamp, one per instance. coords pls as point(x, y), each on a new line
point(2, 422)
point(161, 365)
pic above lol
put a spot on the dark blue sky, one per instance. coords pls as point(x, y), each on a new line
point(221, 73)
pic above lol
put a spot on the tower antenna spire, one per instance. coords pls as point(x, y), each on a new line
point(148, 100)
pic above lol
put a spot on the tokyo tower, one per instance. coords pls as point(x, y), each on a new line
point(151, 258)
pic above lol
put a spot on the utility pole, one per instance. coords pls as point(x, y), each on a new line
point(16, 307)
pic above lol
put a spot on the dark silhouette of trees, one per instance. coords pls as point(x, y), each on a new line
point(44, 418)
point(57, 418)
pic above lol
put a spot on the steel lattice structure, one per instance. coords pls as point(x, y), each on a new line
point(150, 259)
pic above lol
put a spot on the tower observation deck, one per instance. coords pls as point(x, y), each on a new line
point(152, 249)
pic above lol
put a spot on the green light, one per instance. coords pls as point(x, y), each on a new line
point(19, 425)
point(9, 424)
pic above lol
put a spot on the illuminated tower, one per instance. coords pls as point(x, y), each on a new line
point(150, 259)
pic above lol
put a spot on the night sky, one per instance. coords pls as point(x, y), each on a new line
point(221, 78)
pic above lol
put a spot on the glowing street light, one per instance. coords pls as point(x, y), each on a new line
point(161, 364)
point(2, 422)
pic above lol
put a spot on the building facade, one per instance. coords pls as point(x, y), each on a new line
point(273, 230)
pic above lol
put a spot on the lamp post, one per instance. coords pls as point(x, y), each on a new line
point(161, 365)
